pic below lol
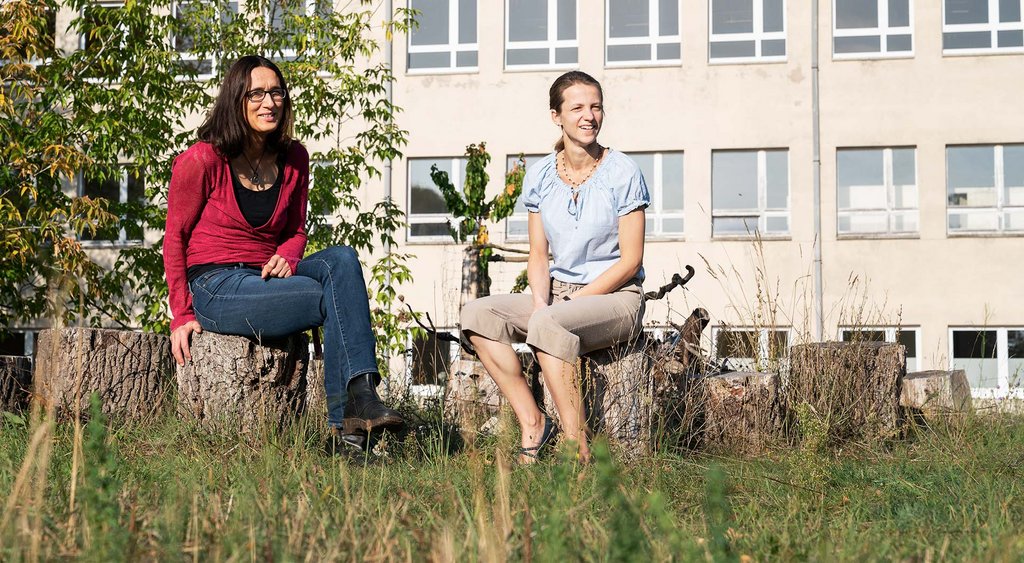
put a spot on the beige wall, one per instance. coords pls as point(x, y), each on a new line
point(931, 280)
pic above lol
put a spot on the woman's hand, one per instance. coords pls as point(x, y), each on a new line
point(180, 338)
point(276, 267)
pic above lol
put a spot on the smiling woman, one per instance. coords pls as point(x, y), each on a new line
point(586, 205)
point(233, 249)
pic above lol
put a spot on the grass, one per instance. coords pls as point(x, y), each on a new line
point(166, 490)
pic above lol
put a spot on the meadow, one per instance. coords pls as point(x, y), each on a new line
point(164, 490)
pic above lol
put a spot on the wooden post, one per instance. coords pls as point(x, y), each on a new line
point(743, 412)
point(129, 370)
point(474, 283)
point(853, 387)
point(236, 384)
point(15, 382)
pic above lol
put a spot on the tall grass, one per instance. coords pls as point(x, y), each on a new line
point(166, 490)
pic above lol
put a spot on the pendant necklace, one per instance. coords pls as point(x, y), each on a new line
point(255, 177)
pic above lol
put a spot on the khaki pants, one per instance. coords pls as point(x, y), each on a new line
point(564, 329)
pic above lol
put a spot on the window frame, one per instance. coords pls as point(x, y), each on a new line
point(1003, 388)
point(652, 40)
point(890, 336)
point(890, 210)
point(452, 48)
point(1001, 208)
point(310, 10)
point(993, 26)
point(447, 219)
point(122, 239)
point(552, 43)
point(763, 212)
point(883, 30)
point(758, 35)
point(520, 216)
point(762, 357)
point(655, 212)
point(186, 57)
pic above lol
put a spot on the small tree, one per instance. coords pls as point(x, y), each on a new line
point(472, 210)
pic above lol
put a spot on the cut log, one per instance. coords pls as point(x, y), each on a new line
point(15, 382)
point(129, 370)
point(236, 384)
point(743, 413)
point(853, 387)
point(936, 393)
point(618, 395)
point(316, 395)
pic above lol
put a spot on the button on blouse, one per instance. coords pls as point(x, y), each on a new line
point(583, 234)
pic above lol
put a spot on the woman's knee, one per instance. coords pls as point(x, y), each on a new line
point(340, 256)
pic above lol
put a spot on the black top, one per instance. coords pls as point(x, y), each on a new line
point(256, 207)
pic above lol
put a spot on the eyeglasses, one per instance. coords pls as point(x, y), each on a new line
point(256, 96)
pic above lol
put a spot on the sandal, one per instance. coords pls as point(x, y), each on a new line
point(546, 436)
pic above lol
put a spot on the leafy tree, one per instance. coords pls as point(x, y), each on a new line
point(472, 209)
point(146, 71)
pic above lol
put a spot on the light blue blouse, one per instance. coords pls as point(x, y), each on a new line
point(583, 235)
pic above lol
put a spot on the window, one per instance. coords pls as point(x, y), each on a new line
point(876, 191)
point(285, 18)
point(747, 30)
point(985, 188)
point(103, 35)
point(17, 342)
point(908, 337)
point(125, 189)
point(203, 65)
point(430, 358)
point(992, 358)
point(642, 32)
point(516, 225)
point(750, 349)
point(428, 213)
point(664, 175)
point(540, 34)
point(871, 28)
point(750, 192)
point(445, 38)
point(982, 26)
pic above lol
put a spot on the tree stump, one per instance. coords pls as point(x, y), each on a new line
point(853, 387)
point(936, 393)
point(15, 382)
point(678, 369)
point(316, 395)
point(472, 400)
point(618, 395)
point(236, 384)
point(129, 370)
point(743, 412)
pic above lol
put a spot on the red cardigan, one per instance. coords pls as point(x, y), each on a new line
point(205, 226)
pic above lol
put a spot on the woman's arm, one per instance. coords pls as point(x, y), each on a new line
point(293, 236)
point(631, 248)
point(186, 198)
point(538, 268)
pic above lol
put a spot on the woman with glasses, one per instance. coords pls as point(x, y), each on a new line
point(586, 205)
point(234, 245)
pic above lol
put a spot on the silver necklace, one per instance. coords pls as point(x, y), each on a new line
point(255, 177)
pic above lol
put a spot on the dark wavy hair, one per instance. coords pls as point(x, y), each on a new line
point(226, 127)
point(556, 93)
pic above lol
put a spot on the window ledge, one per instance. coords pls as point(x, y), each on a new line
point(871, 57)
point(541, 68)
point(748, 238)
point(985, 234)
point(426, 241)
point(983, 53)
point(111, 244)
point(879, 236)
point(746, 61)
point(441, 71)
point(626, 65)
point(665, 238)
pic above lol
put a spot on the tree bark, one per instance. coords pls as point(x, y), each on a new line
point(475, 283)
point(743, 413)
point(853, 387)
point(236, 384)
point(129, 370)
point(618, 395)
point(15, 382)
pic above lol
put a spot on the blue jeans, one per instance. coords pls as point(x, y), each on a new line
point(326, 290)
